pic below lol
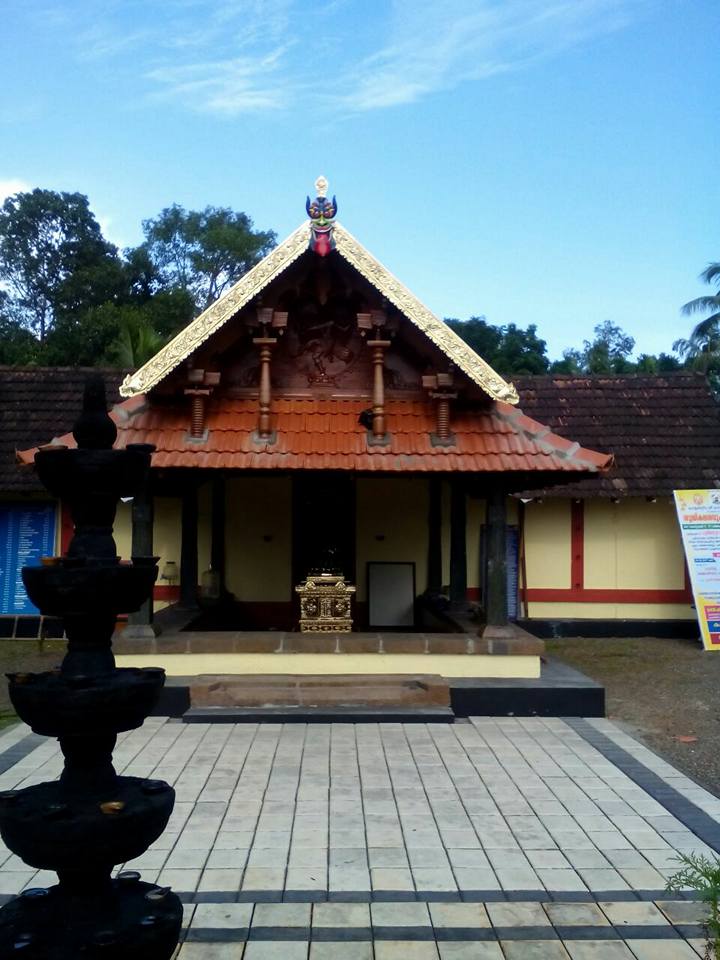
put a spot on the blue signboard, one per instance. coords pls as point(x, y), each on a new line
point(27, 532)
point(511, 557)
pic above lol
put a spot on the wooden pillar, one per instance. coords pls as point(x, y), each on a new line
point(496, 574)
point(434, 561)
point(143, 515)
point(458, 546)
point(217, 530)
point(266, 345)
point(378, 409)
point(189, 548)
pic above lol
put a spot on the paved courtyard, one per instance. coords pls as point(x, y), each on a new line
point(487, 839)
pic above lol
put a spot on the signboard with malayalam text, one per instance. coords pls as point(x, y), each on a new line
point(699, 518)
point(27, 532)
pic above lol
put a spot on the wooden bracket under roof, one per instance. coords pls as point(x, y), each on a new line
point(272, 266)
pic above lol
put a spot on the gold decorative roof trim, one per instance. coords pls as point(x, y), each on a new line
point(453, 346)
point(248, 287)
point(201, 328)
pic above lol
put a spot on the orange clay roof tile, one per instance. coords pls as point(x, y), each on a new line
point(326, 434)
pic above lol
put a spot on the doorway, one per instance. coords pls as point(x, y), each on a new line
point(323, 525)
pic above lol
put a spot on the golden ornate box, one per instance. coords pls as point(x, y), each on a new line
point(325, 604)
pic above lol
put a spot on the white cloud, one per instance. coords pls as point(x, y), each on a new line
point(230, 57)
point(226, 87)
point(429, 48)
point(11, 186)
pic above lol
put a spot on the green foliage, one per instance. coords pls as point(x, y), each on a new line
point(509, 349)
point(702, 348)
point(609, 352)
point(202, 252)
point(702, 875)
point(54, 260)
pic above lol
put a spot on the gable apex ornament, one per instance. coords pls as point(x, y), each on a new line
point(322, 213)
point(320, 234)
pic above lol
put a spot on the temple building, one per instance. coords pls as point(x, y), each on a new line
point(318, 429)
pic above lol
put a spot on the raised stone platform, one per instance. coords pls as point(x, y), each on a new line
point(498, 641)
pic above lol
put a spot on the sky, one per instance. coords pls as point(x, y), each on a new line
point(534, 161)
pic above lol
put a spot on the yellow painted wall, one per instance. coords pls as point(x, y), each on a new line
point(397, 510)
point(633, 544)
point(444, 665)
point(166, 534)
point(612, 611)
point(547, 544)
point(122, 531)
point(258, 539)
point(630, 545)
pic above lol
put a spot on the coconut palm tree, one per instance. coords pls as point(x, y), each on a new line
point(702, 347)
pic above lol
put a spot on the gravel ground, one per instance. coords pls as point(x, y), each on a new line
point(661, 691)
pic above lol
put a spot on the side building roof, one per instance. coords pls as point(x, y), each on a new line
point(37, 404)
point(663, 430)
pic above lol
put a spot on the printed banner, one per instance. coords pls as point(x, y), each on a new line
point(27, 532)
point(699, 517)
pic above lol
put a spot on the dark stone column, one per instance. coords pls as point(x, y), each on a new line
point(458, 546)
point(140, 623)
point(434, 560)
point(189, 548)
point(217, 530)
point(496, 574)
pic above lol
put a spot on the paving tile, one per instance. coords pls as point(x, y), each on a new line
point(661, 950)
point(633, 913)
point(222, 880)
point(222, 916)
point(517, 915)
point(469, 950)
point(404, 950)
point(275, 950)
point(341, 951)
point(575, 915)
point(355, 915)
point(212, 951)
point(276, 915)
point(391, 878)
point(534, 950)
point(598, 950)
point(400, 914)
point(459, 915)
point(683, 911)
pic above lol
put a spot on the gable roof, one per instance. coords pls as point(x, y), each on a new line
point(663, 430)
point(271, 267)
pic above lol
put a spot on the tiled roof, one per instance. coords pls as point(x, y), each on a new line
point(37, 403)
point(326, 434)
point(663, 430)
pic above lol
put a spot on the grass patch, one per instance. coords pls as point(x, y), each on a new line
point(7, 718)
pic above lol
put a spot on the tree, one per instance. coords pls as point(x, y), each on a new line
point(18, 346)
point(609, 352)
point(509, 349)
point(54, 260)
point(203, 252)
point(663, 363)
point(702, 347)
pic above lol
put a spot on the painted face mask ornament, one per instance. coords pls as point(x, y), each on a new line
point(321, 212)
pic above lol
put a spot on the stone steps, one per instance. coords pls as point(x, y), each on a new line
point(303, 714)
point(318, 699)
